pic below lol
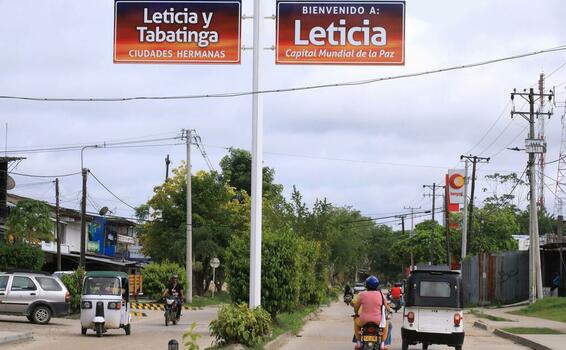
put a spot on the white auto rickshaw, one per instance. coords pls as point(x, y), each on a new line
point(105, 302)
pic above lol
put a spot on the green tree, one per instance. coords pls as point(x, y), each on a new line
point(493, 230)
point(218, 213)
point(30, 222)
point(237, 171)
point(21, 255)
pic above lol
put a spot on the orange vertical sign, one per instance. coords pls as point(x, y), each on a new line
point(341, 32)
point(177, 31)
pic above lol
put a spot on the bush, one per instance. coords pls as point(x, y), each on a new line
point(21, 256)
point(74, 283)
point(281, 271)
point(156, 276)
point(236, 323)
point(314, 273)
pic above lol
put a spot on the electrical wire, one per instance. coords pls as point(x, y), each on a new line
point(43, 176)
point(109, 191)
point(303, 88)
point(490, 128)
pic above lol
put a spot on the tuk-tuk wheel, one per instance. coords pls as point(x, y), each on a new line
point(458, 347)
point(128, 329)
point(98, 329)
point(425, 346)
point(83, 331)
point(404, 345)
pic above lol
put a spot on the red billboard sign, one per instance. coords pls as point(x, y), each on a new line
point(177, 31)
point(341, 32)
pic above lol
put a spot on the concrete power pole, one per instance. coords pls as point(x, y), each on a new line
point(82, 261)
point(167, 162)
point(465, 214)
point(189, 251)
point(475, 160)
point(533, 146)
point(412, 209)
point(57, 231)
point(434, 186)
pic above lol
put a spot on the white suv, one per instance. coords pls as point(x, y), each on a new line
point(37, 296)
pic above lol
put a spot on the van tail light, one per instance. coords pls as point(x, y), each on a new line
point(457, 320)
point(411, 317)
point(67, 297)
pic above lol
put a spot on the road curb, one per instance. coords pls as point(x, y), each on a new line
point(278, 342)
point(520, 340)
point(15, 338)
point(481, 325)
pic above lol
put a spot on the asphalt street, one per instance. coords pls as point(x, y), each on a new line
point(332, 329)
point(147, 332)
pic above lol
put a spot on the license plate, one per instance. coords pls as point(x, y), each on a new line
point(372, 338)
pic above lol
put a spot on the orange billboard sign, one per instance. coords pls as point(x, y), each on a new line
point(341, 32)
point(189, 31)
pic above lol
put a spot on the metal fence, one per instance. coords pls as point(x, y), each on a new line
point(498, 278)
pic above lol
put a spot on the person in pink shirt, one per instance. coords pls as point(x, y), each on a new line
point(368, 306)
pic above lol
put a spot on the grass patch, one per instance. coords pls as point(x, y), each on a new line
point(549, 308)
point(530, 330)
point(481, 314)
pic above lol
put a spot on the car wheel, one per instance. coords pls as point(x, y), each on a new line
point(458, 347)
point(404, 345)
point(425, 346)
point(83, 331)
point(128, 329)
point(41, 314)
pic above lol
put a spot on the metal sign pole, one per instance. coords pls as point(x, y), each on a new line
point(257, 157)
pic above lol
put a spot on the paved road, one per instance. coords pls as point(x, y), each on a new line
point(147, 333)
point(332, 330)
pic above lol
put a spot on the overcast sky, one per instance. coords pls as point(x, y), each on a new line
point(371, 146)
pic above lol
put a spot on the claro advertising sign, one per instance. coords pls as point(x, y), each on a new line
point(177, 31)
point(341, 32)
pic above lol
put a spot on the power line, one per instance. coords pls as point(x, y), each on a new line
point(109, 191)
point(491, 127)
point(303, 88)
point(44, 176)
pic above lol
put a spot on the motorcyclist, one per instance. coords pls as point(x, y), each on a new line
point(348, 293)
point(396, 293)
point(369, 307)
point(175, 289)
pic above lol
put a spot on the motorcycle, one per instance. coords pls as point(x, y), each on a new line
point(396, 304)
point(171, 305)
point(348, 299)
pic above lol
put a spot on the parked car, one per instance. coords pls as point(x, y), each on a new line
point(359, 287)
point(35, 295)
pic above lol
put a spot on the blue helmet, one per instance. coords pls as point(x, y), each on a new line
point(372, 283)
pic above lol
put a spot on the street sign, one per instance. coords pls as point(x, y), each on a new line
point(214, 263)
point(188, 31)
point(340, 32)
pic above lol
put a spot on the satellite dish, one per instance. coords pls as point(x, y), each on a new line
point(10, 183)
point(103, 211)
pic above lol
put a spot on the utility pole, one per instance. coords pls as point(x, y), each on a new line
point(475, 160)
point(403, 233)
point(434, 186)
point(57, 230)
point(447, 226)
point(82, 261)
point(167, 162)
point(533, 146)
point(412, 209)
point(465, 214)
point(189, 251)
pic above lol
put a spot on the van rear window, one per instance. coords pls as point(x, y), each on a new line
point(435, 289)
